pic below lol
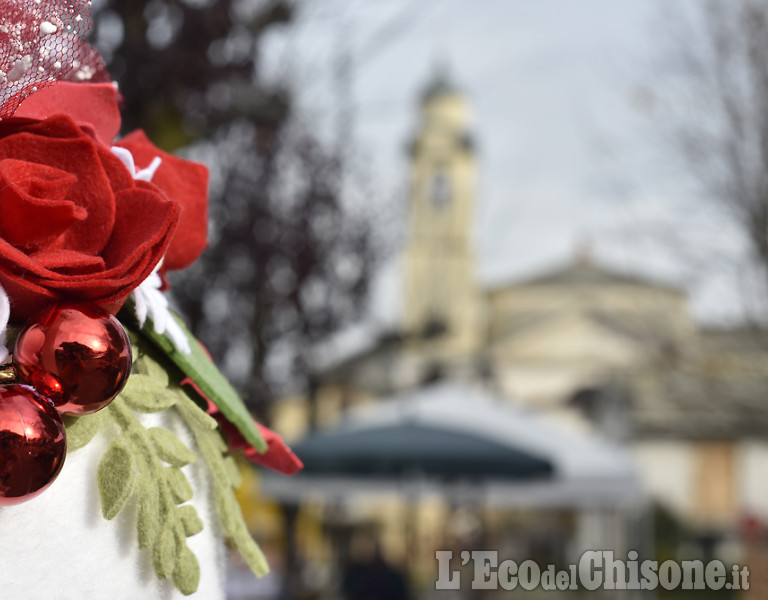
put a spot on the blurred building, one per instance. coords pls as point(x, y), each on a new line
point(610, 353)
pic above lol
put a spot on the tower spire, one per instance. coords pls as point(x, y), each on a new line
point(441, 82)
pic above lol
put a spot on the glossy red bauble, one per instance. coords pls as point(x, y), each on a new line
point(78, 356)
point(32, 444)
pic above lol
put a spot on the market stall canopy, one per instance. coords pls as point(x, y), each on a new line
point(453, 436)
point(402, 449)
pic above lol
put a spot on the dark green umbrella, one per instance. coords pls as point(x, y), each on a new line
point(417, 449)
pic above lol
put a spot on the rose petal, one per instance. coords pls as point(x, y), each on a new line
point(142, 216)
point(69, 262)
point(114, 169)
point(26, 297)
point(184, 181)
point(33, 203)
point(80, 158)
point(87, 287)
point(93, 106)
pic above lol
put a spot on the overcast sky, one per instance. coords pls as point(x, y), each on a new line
point(562, 101)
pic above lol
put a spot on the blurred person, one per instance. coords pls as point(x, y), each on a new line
point(368, 576)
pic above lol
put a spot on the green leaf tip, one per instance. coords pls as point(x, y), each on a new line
point(190, 520)
point(115, 477)
point(81, 430)
point(169, 448)
point(186, 573)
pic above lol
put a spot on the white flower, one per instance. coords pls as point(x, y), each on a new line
point(152, 303)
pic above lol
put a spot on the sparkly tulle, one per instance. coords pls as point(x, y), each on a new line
point(42, 42)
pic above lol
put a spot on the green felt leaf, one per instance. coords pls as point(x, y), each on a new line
point(164, 552)
point(170, 448)
point(178, 484)
point(233, 473)
point(190, 520)
point(220, 443)
point(147, 393)
point(148, 519)
point(228, 512)
point(115, 476)
point(81, 430)
point(230, 515)
point(199, 367)
point(251, 552)
point(198, 419)
point(153, 370)
point(186, 573)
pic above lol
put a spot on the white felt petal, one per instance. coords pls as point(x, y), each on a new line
point(148, 173)
point(140, 306)
point(151, 302)
point(178, 337)
point(158, 310)
point(126, 158)
point(5, 314)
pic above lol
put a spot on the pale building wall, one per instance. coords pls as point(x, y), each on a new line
point(545, 384)
point(547, 363)
point(711, 483)
point(666, 468)
point(290, 415)
point(752, 478)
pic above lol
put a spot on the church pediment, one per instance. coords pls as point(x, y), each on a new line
point(586, 273)
point(572, 336)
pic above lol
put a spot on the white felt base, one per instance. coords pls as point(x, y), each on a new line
point(59, 547)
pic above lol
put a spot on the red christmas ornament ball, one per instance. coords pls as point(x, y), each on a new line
point(78, 356)
point(33, 444)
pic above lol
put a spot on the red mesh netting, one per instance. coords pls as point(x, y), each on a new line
point(41, 42)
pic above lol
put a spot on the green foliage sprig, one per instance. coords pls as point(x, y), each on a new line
point(146, 464)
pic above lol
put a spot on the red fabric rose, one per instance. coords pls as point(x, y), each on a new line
point(74, 224)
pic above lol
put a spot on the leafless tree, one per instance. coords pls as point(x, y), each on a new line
point(714, 86)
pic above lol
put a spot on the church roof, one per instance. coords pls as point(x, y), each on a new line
point(441, 84)
point(702, 405)
point(585, 272)
point(739, 340)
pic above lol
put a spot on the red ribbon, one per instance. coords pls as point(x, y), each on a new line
point(278, 456)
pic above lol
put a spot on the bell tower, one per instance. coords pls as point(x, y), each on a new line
point(441, 298)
